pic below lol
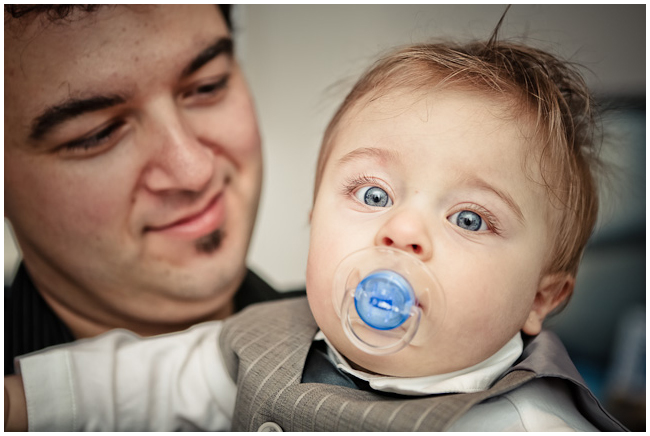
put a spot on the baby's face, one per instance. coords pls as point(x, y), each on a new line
point(444, 179)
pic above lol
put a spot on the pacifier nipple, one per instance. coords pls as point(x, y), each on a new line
point(381, 295)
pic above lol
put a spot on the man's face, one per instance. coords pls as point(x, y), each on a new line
point(443, 179)
point(132, 160)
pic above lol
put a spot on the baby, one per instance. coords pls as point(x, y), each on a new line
point(463, 173)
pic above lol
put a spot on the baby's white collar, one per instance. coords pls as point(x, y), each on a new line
point(473, 379)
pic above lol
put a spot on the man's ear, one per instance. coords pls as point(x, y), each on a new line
point(553, 290)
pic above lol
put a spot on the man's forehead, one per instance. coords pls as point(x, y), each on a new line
point(42, 29)
point(41, 23)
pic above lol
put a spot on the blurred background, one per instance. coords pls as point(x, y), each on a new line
point(300, 61)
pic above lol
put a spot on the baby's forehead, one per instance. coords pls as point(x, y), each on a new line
point(506, 105)
point(427, 103)
point(454, 116)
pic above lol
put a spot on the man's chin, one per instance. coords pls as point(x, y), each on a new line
point(201, 267)
point(198, 282)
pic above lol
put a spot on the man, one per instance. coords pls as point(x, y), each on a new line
point(132, 172)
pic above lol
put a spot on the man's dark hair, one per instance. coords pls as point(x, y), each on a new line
point(58, 12)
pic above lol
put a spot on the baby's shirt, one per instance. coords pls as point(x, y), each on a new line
point(120, 381)
point(475, 378)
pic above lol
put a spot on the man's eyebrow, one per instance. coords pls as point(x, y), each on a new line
point(71, 108)
point(369, 152)
point(223, 45)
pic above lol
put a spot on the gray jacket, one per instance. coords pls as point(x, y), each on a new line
point(265, 348)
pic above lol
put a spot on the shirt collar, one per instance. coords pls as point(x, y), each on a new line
point(476, 378)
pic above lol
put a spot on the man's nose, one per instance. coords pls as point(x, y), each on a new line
point(179, 160)
point(406, 230)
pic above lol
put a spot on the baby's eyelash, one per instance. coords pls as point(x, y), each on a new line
point(353, 183)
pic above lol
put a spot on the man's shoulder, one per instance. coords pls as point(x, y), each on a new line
point(254, 290)
point(265, 326)
point(270, 317)
point(30, 323)
point(289, 307)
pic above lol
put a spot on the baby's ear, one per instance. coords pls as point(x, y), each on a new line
point(553, 290)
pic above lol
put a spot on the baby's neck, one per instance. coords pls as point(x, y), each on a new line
point(471, 379)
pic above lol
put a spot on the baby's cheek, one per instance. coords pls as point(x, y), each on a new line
point(319, 283)
point(321, 306)
point(320, 274)
point(470, 319)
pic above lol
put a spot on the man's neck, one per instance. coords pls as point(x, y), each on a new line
point(87, 314)
point(82, 325)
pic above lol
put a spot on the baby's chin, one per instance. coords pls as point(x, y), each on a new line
point(389, 365)
point(407, 362)
point(398, 364)
point(412, 361)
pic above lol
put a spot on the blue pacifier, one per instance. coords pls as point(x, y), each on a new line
point(384, 300)
point(381, 295)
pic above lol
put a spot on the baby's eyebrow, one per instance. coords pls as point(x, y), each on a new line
point(369, 152)
point(504, 196)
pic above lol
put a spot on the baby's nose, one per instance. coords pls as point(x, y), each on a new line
point(408, 232)
point(412, 248)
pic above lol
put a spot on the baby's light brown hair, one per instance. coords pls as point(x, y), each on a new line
point(539, 87)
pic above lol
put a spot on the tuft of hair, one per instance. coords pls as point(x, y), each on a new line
point(536, 83)
point(52, 12)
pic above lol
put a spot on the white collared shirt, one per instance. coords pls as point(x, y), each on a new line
point(475, 378)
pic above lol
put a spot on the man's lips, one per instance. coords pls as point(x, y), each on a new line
point(195, 226)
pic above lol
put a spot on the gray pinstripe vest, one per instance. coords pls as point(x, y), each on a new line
point(265, 348)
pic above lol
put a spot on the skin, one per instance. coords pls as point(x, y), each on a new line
point(137, 214)
point(493, 277)
point(15, 404)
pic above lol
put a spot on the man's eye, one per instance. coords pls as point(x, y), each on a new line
point(468, 220)
point(94, 140)
point(208, 88)
point(373, 196)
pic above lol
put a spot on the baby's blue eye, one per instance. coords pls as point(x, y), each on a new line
point(374, 196)
point(468, 220)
